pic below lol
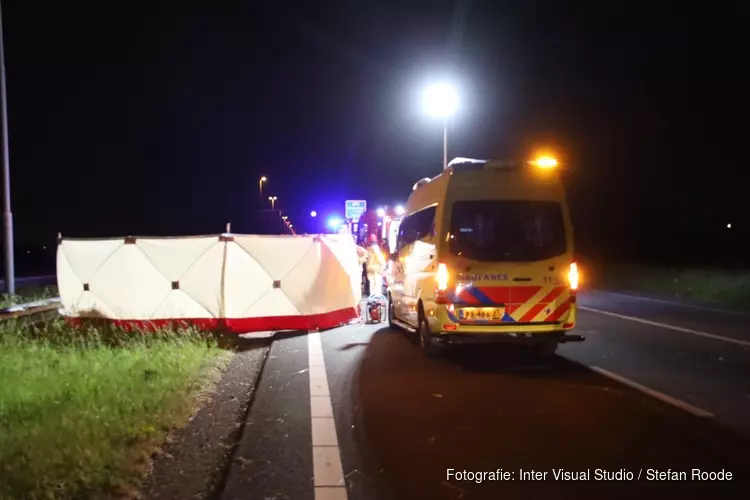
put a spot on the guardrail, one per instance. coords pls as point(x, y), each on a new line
point(40, 310)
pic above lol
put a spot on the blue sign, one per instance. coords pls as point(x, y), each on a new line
point(355, 208)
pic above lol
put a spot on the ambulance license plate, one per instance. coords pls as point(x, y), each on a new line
point(480, 313)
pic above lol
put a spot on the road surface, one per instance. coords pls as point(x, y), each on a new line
point(357, 412)
point(27, 281)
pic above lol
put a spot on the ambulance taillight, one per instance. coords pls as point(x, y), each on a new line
point(573, 276)
point(442, 277)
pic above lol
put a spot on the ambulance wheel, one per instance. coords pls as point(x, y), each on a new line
point(546, 350)
point(391, 314)
point(427, 343)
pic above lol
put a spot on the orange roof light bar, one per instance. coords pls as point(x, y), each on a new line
point(545, 161)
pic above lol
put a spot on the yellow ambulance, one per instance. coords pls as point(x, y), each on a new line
point(485, 254)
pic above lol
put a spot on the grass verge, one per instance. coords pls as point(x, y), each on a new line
point(730, 288)
point(28, 294)
point(82, 409)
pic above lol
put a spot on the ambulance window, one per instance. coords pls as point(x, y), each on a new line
point(507, 230)
point(425, 223)
point(417, 226)
point(406, 232)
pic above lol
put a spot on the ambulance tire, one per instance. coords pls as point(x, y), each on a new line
point(427, 343)
point(546, 350)
point(392, 314)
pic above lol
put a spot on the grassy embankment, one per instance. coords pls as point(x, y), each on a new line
point(82, 409)
point(28, 294)
point(730, 288)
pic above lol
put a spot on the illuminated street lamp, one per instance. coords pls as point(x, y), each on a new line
point(313, 214)
point(441, 101)
point(260, 186)
point(273, 199)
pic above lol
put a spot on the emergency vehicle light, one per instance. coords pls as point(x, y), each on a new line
point(465, 161)
point(421, 182)
point(466, 164)
point(545, 162)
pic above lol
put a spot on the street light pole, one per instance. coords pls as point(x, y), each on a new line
point(272, 199)
point(10, 278)
point(440, 101)
point(260, 187)
point(445, 144)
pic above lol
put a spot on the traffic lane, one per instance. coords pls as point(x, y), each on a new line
point(343, 350)
point(724, 323)
point(489, 408)
point(46, 279)
point(707, 373)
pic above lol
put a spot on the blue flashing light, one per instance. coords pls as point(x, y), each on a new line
point(334, 223)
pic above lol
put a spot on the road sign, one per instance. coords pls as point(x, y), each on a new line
point(355, 208)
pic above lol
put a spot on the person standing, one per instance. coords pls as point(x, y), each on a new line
point(363, 255)
point(375, 263)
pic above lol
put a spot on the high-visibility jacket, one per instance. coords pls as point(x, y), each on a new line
point(375, 259)
point(362, 254)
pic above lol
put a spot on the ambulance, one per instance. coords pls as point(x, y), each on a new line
point(485, 254)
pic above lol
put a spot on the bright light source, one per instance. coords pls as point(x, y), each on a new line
point(400, 210)
point(545, 162)
point(381, 212)
point(313, 214)
point(334, 222)
point(263, 179)
point(380, 224)
point(272, 198)
point(440, 101)
point(573, 276)
point(442, 277)
point(729, 226)
point(284, 217)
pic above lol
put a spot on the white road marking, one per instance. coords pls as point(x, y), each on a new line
point(677, 304)
point(707, 335)
point(328, 472)
point(698, 412)
point(330, 493)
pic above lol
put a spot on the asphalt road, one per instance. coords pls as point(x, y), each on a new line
point(402, 421)
point(26, 281)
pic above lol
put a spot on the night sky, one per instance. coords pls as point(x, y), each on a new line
point(158, 118)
